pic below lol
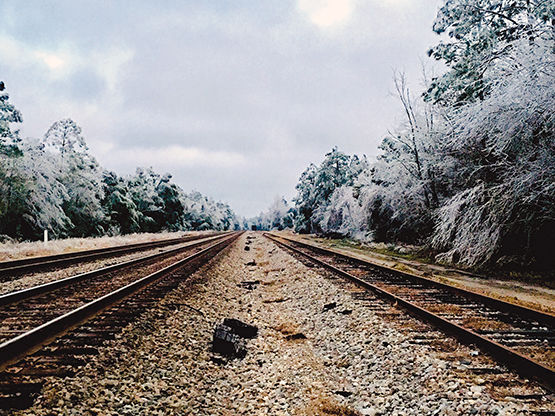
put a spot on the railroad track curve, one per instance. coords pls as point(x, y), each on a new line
point(520, 338)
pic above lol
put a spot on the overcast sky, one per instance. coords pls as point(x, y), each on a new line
point(233, 97)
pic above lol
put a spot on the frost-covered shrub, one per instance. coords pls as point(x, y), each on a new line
point(503, 151)
point(318, 183)
point(279, 216)
point(344, 215)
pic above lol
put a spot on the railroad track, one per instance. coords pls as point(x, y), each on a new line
point(14, 268)
point(520, 338)
point(51, 331)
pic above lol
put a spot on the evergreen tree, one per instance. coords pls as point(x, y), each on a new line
point(481, 33)
point(80, 173)
point(122, 214)
point(13, 189)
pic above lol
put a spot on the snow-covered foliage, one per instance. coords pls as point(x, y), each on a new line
point(279, 216)
point(471, 172)
point(81, 175)
point(56, 184)
point(151, 202)
point(480, 33)
point(344, 214)
point(320, 203)
point(318, 183)
point(12, 189)
point(123, 216)
point(47, 194)
point(8, 116)
point(503, 159)
point(203, 213)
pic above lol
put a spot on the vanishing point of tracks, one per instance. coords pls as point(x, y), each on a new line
point(521, 338)
point(50, 329)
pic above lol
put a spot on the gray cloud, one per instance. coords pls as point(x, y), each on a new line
point(254, 79)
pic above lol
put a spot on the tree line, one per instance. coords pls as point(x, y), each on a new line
point(470, 174)
point(54, 183)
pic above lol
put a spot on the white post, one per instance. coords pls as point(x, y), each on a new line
point(45, 236)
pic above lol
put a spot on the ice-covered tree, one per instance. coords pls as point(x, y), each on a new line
point(65, 137)
point(13, 191)
point(203, 213)
point(317, 184)
point(345, 214)
point(405, 184)
point(279, 216)
point(480, 33)
point(9, 115)
point(47, 195)
point(144, 194)
point(81, 174)
point(122, 214)
point(502, 160)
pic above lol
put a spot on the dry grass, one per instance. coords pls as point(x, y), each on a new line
point(12, 250)
point(446, 308)
point(324, 406)
point(541, 354)
point(478, 322)
point(287, 328)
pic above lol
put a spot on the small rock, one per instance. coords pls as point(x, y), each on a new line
point(249, 284)
point(218, 360)
point(343, 393)
point(329, 306)
point(298, 335)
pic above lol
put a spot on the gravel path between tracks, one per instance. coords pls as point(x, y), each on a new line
point(162, 364)
point(41, 277)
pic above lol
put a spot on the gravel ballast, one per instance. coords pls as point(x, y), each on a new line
point(41, 277)
point(320, 350)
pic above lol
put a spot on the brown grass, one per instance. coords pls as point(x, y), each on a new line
point(446, 308)
point(478, 322)
point(15, 250)
point(287, 328)
point(324, 406)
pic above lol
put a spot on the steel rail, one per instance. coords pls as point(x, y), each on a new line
point(19, 295)
point(33, 263)
point(543, 317)
point(525, 366)
point(18, 347)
